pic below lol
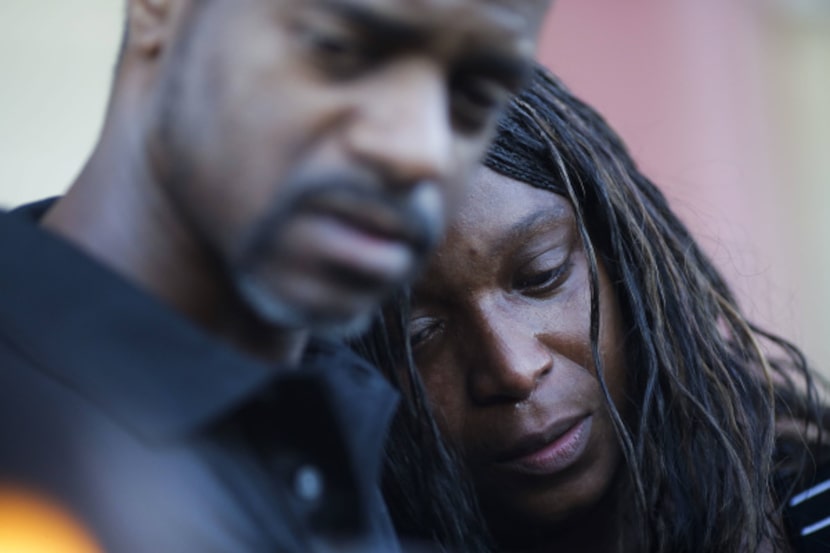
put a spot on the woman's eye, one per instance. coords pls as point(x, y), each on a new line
point(423, 329)
point(542, 281)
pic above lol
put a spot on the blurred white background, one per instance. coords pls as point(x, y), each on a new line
point(56, 63)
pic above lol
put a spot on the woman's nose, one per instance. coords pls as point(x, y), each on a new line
point(508, 360)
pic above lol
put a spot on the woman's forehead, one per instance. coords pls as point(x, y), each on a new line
point(499, 217)
point(494, 197)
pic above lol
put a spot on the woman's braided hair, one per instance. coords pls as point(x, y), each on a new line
point(707, 386)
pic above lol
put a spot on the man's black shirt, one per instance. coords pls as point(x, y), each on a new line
point(157, 437)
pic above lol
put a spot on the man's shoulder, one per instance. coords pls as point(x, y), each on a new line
point(33, 402)
point(329, 352)
point(349, 376)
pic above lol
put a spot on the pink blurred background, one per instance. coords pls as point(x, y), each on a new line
point(725, 104)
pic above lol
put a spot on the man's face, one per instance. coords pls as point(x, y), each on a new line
point(316, 147)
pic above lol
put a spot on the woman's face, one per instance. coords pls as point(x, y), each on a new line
point(501, 336)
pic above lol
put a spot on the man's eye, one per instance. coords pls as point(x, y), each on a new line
point(473, 103)
point(337, 53)
point(424, 329)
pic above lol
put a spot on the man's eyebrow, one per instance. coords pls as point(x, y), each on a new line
point(512, 69)
point(380, 27)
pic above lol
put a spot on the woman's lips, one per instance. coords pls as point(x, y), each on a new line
point(549, 452)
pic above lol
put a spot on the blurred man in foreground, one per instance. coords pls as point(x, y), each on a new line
point(267, 172)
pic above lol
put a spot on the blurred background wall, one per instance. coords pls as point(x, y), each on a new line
point(56, 62)
point(724, 103)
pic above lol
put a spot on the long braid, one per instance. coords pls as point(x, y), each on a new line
point(707, 385)
point(704, 438)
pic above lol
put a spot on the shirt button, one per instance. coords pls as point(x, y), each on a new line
point(308, 483)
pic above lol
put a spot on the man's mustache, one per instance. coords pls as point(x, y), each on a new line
point(360, 198)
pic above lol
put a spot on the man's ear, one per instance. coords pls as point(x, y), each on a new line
point(150, 26)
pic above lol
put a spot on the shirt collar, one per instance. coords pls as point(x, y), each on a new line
point(85, 326)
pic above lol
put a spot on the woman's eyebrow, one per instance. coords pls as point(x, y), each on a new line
point(533, 222)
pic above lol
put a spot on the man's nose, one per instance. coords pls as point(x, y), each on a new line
point(403, 127)
point(508, 362)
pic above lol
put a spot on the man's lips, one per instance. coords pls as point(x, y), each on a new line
point(548, 451)
point(352, 256)
point(373, 217)
point(358, 239)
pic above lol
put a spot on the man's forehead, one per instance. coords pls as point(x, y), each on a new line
point(517, 17)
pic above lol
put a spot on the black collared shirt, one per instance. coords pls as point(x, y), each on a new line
point(158, 438)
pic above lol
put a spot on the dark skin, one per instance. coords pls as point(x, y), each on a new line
point(273, 169)
point(500, 335)
point(500, 332)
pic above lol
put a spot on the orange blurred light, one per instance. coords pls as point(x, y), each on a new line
point(30, 523)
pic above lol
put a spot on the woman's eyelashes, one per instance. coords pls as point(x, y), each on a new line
point(423, 329)
point(540, 278)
